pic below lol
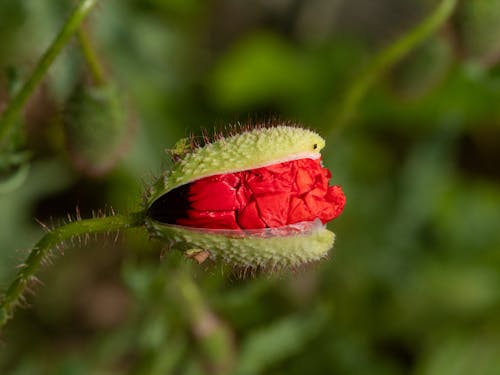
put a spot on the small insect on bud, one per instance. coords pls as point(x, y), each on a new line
point(259, 199)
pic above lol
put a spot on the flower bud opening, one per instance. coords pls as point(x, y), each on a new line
point(257, 199)
point(267, 197)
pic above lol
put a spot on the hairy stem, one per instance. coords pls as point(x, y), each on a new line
point(388, 56)
point(26, 274)
point(8, 118)
point(90, 55)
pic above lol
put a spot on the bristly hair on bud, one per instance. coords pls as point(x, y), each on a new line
point(193, 142)
point(256, 197)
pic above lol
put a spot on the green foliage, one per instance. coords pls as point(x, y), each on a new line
point(247, 75)
point(412, 286)
point(276, 342)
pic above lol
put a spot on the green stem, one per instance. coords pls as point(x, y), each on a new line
point(90, 55)
point(26, 274)
point(7, 120)
point(213, 337)
point(385, 59)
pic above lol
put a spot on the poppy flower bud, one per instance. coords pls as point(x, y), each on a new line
point(259, 199)
point(97, 128)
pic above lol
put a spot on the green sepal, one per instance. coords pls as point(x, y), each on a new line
point(248, 150)
point(255, 250)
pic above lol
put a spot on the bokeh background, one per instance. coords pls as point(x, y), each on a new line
point(413, 284)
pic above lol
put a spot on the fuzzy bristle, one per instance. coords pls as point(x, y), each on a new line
point(250, 251)
point(193, 142)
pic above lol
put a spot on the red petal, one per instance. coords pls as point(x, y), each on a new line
point(216, 193)
point(316, 203)
point(264, 181)
point(210, 219)
point(273, 196)
point(243, 195)
point(274, 209)
point(299, 211)
point(337, 197)
point(249, 217)
point(304, 181)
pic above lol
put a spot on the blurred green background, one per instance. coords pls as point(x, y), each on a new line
point(413, 283)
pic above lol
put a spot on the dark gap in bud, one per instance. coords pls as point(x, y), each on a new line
point(171, 206)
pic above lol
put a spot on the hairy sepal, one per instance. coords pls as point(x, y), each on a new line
point(268, 249)
point(251, 149)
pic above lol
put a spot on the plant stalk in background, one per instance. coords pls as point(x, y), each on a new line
point(343, 113)
point(9, 116)
point(93, 63)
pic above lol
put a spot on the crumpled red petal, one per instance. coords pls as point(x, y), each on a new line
point(269, 197)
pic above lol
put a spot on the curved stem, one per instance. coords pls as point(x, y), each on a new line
point(386, 58)
point(26, 274)
point(7, 120)
point(90, 55)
